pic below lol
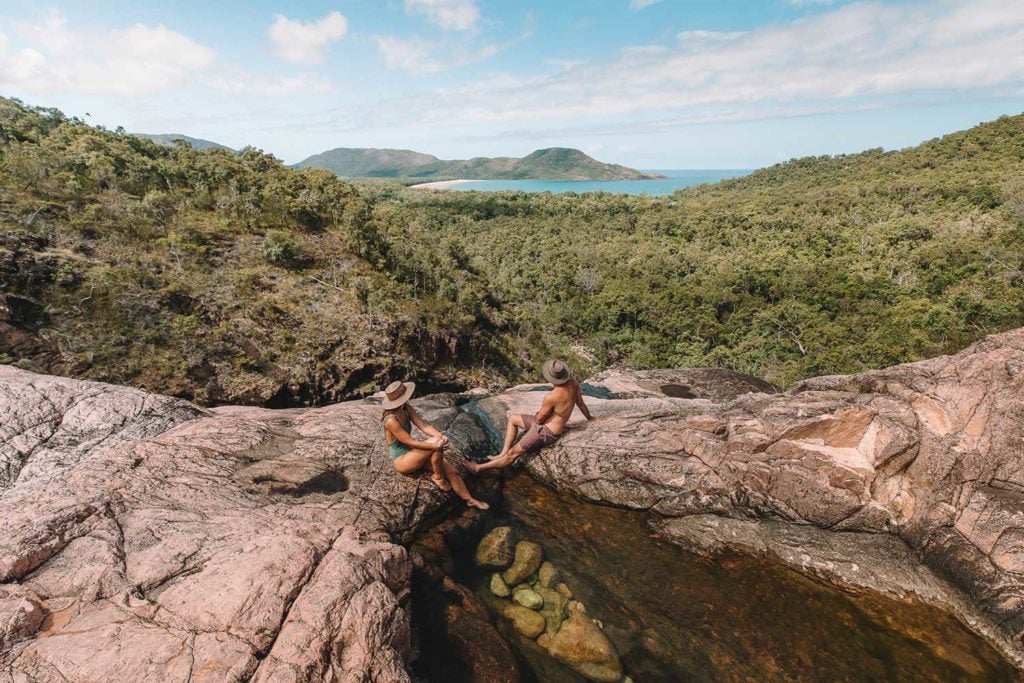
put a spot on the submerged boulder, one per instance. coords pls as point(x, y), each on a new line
point(527, 560)
point(555, 609)
point(580, 645)
point(499, 587)
point(548, 575)
point(525, 621)
point(528, 598)
point(495, 549)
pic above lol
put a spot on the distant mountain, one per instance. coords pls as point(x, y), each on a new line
point(168, 140)
point(554, 163)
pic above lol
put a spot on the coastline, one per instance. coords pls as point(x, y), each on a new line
point(440, 184)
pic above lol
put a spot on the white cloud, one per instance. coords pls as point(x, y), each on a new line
point(419, 56)
point(412, 55)
point(452, 15)
point(139, 60)
point(637, 5)
point(863, 52)
point(301, 42)
point(702, 40)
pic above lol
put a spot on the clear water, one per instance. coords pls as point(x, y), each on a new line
point(674, 616)
point(675, 180)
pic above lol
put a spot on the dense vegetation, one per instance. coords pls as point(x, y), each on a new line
point(221, 276)
point(554, 163)
point(169, 140)
point(229, 277)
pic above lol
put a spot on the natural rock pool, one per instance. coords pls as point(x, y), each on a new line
point(672, 615)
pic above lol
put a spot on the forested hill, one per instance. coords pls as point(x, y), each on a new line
point(229, 277)
point(555, 163)
point(169, 139)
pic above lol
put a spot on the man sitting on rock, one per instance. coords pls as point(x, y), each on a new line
point(544, 428)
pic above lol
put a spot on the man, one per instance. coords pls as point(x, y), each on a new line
point(544, 428)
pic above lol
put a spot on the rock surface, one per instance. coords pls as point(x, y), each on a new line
point(144, 539)
point(248, 543)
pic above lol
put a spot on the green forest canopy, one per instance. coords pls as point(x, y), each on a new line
point(225, 277)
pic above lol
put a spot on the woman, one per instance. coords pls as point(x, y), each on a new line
point(410, 455)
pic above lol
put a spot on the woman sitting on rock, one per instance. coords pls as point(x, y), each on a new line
point(410, 455)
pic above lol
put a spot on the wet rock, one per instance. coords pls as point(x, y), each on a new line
point(528, 556)
point(544, 640)
point(548, 575)
point(577, 606)
point(525, 621)
point(565, 590)
point(499, 587)
point(495, 549)
point(581, 646)
point(529, 599)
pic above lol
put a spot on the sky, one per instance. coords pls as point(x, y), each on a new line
point(653, 84)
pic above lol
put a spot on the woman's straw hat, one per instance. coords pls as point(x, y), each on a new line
point(556, 372)
point(397, 393)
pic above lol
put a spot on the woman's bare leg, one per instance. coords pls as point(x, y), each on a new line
point(460, 486)
point(417, 459)
point(437, 470)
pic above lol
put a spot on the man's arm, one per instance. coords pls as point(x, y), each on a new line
point(583, 406)
point(547, 409)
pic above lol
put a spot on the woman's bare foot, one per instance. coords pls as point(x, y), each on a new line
point(441, 482)
point(478, 504)
point(495, 456)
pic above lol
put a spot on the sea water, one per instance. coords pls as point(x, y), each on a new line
point(674, 180)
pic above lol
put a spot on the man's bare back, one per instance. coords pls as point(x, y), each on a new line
point(542, 429)
point(558, 405)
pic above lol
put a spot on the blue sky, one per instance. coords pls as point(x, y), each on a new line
point(662, 84)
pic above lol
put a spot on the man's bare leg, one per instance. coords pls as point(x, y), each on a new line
point(512, 427)
point(499, 461)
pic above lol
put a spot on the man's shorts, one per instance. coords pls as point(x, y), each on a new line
point(537, 436)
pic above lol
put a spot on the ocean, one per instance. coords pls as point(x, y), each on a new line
point(676, 179)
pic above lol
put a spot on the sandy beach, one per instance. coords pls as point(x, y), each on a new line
point(440, 184)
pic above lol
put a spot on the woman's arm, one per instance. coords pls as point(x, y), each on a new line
point(426, 427)
point(395, 429)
